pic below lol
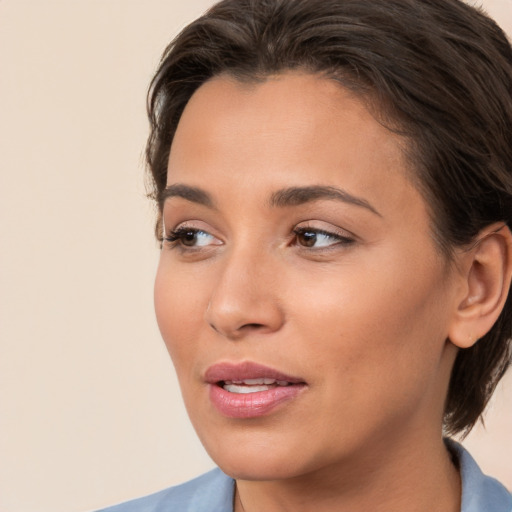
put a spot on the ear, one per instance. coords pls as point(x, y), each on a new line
point(486, 270)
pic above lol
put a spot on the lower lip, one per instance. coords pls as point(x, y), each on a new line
point(252, 405)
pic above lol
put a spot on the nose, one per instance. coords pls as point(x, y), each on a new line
point(245, 298)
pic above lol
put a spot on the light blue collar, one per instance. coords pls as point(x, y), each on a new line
point(213, 492)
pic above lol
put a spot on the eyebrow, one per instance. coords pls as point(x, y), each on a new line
point(295, 196)
point(193, 194)
point(292, 196)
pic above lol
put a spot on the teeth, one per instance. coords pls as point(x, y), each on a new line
point(252, 385)
point(258, 382)
point(237, 388)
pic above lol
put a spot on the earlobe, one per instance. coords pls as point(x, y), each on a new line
point(487, 271)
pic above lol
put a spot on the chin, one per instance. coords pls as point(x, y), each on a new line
point(260, 467)
point(247, 454)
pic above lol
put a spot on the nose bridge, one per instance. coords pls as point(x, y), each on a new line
point(245, 296)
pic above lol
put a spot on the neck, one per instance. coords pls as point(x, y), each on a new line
point(402, 477)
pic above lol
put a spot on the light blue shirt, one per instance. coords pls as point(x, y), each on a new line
point(213, 492)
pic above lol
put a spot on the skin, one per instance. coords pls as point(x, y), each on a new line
point(363, 319)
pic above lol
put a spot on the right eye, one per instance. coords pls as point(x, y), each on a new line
point(191, 237)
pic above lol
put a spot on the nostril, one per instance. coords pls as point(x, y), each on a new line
point(238, 332)
point(252, 328)
point(213, 327)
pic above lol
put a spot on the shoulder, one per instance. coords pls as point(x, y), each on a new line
point(212, 491)
point(480, 493)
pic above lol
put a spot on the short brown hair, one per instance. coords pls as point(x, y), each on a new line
point(441, 70)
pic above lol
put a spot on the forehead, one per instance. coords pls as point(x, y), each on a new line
point(292, 103)
point(285, 112)
point(293, 129)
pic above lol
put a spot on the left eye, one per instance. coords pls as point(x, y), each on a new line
point(191, 237)
point(319, 239)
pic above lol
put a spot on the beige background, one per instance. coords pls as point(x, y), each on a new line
point(90, 412)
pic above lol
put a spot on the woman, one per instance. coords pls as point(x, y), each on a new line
point(334, 184)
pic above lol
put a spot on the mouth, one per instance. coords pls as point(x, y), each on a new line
point(247, 386)
point(249, 390)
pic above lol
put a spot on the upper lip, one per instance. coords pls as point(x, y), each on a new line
point(227, 371)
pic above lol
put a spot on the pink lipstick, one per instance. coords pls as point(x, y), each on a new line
point(250, 390)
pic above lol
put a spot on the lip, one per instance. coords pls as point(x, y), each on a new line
point(250, 405)
point(245, 370)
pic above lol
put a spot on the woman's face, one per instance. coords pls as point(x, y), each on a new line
point(300, 294)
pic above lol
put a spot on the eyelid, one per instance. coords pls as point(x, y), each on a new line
point(325, 228)
point(323, 239)
point(192, 224)
point(176, 238)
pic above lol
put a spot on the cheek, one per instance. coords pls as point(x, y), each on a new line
point(179, 311)
point(374, 323)
point(371, 354)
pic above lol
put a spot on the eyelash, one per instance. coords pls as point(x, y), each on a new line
point(339, 239)
point(177, 237)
